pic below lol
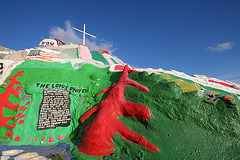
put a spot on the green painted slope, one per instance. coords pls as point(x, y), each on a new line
point(88, 77)
point(183, 125)
point(99, 57)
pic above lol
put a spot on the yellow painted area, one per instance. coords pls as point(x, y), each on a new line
point(186, 86)
point(70, 137)
point(166, 76)
point(214, 92)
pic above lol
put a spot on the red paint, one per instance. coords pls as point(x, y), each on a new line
point(119, 67)
point(13, 126)
point(18, 115)
point(104, 51)
point(21, 108)
point(36, 139)
point(98, 135)
point(16, 120)
point(9, 134)
point(50, 139)
point(222, 83)
point(27, 103)
point(43, 138)
point(28, 138)
point(17, 139)
point(61, 137)
point(21, 122)
point(226, 98)
point(95, 51)
point(57, 42)
point(22, 116)
point(24, 109)
point(6, 103)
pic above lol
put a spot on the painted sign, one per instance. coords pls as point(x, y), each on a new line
point(34, 52)
point(48, 42)
point(61, 86)
point(54, 109)
point(51, 42)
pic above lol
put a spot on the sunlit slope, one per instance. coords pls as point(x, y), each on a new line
point(186, 123)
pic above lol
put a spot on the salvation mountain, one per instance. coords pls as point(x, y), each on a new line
point(79, 104)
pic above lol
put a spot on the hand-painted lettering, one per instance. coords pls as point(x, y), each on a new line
point(61, 86)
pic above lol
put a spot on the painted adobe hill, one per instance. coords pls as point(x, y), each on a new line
point(82, 103)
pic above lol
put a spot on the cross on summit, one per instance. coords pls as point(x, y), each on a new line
point(84, 33)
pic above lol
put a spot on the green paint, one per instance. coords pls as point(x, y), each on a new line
point(11, 122)
point(213, 90)
point(113, 61)
point(8, 112)
point(14, 99)
point(99, 57)
point(27, 64)
point(2, 89)
point(55, 73)
point(77, 53)
point(3, 131)
point(183, 125)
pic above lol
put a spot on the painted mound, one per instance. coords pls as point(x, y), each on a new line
point(50, 100)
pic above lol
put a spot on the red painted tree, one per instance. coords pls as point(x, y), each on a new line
point(98, 135)
point(6, 103)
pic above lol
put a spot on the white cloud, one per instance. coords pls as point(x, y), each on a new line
point(221, 47)
point(68, 35)
point(92, 45)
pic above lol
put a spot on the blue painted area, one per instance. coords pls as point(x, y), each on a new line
point(41, 150)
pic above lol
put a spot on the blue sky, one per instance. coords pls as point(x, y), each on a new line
point(191, 36)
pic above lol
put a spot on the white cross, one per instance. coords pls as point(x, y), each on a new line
point(84, 33)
